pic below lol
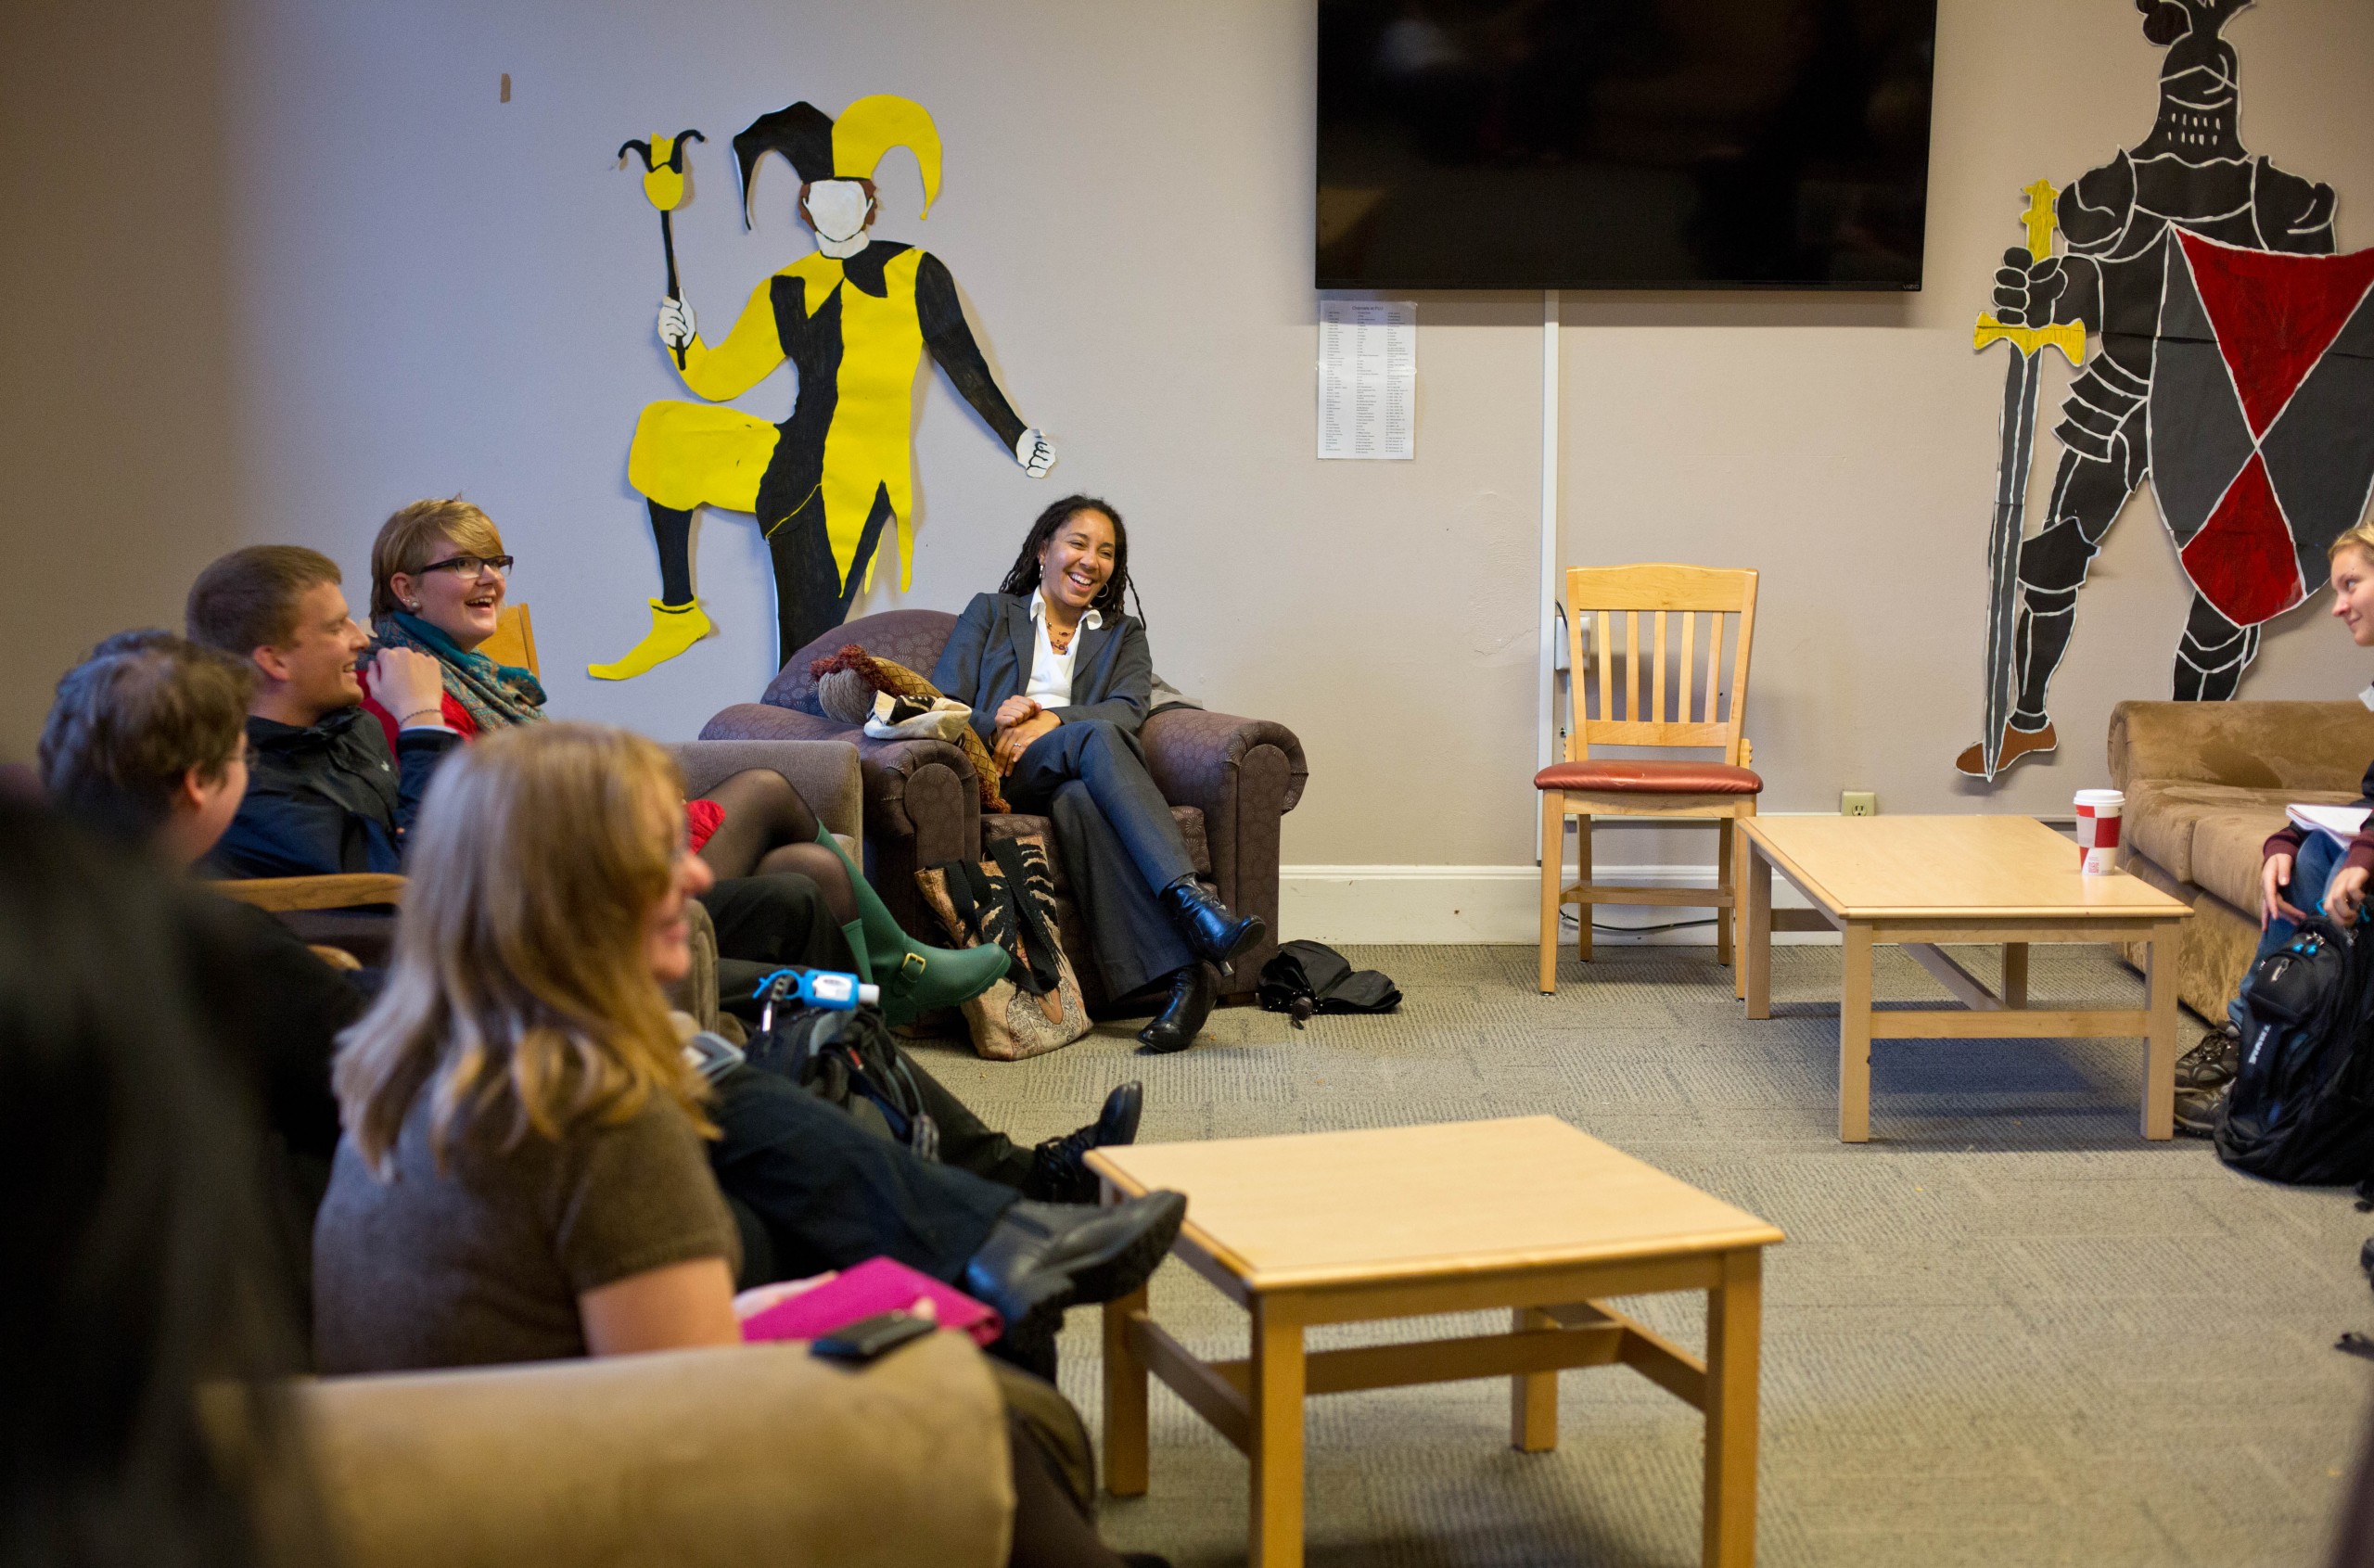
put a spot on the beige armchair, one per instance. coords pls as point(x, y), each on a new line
point(750, 1457)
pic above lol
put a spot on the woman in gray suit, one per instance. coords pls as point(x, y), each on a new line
point(1059, 681)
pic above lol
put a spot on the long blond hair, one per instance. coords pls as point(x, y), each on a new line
point(521, 996)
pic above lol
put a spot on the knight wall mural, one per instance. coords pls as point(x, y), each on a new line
point(2233, 369)
point(854, 317)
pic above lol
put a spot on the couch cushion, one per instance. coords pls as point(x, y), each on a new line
point(2167, 819)
point(1630, 776)
point(2285, 746)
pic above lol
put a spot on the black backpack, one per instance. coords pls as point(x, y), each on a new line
point(849, 1059)
point(2302, 1106)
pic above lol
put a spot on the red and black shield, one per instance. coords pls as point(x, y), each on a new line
point(2262, 418)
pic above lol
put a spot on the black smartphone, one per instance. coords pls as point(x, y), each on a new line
point(869, 1339)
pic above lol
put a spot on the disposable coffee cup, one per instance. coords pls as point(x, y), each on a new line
point(2098, 815)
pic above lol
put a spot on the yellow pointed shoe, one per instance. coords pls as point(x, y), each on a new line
point(675, 627)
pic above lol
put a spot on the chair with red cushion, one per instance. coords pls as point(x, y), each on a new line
point(1705, 714)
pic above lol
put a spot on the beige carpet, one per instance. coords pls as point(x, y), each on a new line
point(2006, 1331)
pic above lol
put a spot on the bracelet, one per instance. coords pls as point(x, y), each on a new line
point(436, 713)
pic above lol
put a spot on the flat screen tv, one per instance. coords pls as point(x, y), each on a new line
point(1623, 144)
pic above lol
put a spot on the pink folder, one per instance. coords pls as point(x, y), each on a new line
point(877, 1285)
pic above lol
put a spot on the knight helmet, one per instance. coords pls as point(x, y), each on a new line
point(2200, 82)
point(820, 147)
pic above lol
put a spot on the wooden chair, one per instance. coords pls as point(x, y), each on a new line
point(515, 639)
point(1705, 714)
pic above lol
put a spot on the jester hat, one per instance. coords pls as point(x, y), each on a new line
point(820, 147)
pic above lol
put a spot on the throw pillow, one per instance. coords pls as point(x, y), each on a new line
point(849, 679)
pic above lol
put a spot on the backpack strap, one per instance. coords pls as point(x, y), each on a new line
point(1042, 955)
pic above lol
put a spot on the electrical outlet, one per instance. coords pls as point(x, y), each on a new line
point(1857, 803)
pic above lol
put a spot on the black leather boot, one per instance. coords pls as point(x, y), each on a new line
point(1214, 930)
point(1059, 1172)
point(1193, 992)
point(1039, 1259)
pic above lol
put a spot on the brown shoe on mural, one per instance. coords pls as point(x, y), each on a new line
point(2016, 745)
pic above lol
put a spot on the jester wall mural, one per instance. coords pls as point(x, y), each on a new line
point(854, 317)
point(2235, 371)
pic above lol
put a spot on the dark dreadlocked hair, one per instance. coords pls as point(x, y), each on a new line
point(1024, 578)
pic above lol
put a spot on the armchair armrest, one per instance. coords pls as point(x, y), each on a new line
point(1244, 775)
point(284, 895)
point(732, 1458)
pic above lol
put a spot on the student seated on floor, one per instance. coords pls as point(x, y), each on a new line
point(144, 744)
point(522, 1176)
point(2301, 874)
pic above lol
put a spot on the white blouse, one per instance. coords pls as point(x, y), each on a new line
point(1050, 672)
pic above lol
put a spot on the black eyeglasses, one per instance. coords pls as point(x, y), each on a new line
point(471, 565)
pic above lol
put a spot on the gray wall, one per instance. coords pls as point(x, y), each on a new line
point(282, 267)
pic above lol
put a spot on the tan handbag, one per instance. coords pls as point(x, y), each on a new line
point(1010, 899)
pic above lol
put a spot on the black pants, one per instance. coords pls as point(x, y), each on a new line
point(826, 1192)
point(1121, 845)
point(764, 922)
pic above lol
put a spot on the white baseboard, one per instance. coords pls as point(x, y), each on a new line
point(1484, 905)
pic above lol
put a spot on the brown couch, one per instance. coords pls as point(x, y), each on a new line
point(2205, 784)
point(753, 1457)
point(1230, 782)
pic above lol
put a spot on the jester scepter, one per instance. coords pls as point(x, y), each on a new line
point(663, 183)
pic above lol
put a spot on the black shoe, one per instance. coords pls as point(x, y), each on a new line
point(1193, 992)
point(1214, 930)
point(2213, 1062)
point(1042, 1257)
point(1059, 1173)
point(2200, 1110)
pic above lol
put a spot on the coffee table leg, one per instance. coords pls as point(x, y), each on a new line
point(1855, 1038)
point(2015, 974)
point(1278, 1386)
point(1533, 1396)
point(1753, 975)
point(2160, 1045)
point(1733, 1330)
point(1125, 1401)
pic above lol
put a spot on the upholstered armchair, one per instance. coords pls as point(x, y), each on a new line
point(1229, 782)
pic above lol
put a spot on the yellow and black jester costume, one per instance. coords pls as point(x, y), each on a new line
point(823, 482)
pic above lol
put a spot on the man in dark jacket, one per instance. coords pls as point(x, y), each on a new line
point(324, 793)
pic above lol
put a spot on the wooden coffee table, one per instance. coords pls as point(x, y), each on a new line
point(1915, 881)
point(1526, 1215)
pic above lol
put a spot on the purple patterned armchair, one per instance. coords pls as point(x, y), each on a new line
point(1229, 782)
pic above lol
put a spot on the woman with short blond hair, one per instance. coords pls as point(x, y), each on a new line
point(439, 579)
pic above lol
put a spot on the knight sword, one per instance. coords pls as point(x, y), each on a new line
point(2018, 431)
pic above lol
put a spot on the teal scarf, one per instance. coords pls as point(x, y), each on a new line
point(495, 695)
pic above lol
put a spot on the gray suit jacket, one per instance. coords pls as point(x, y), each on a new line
point(989, 656)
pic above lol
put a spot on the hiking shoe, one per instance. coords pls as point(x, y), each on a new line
point(1059, 1172)
point(2200, 1110)
point(2213, 1062)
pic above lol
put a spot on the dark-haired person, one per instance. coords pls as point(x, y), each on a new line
point(1060, 680)
point(439, 577)
point(138, 1258)
point(145, 743)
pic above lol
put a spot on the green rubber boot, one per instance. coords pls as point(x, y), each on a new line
point(915, 979)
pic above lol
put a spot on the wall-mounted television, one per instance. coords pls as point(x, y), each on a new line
point(1623, 144)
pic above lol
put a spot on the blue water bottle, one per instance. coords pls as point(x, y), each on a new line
point(830, 990)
